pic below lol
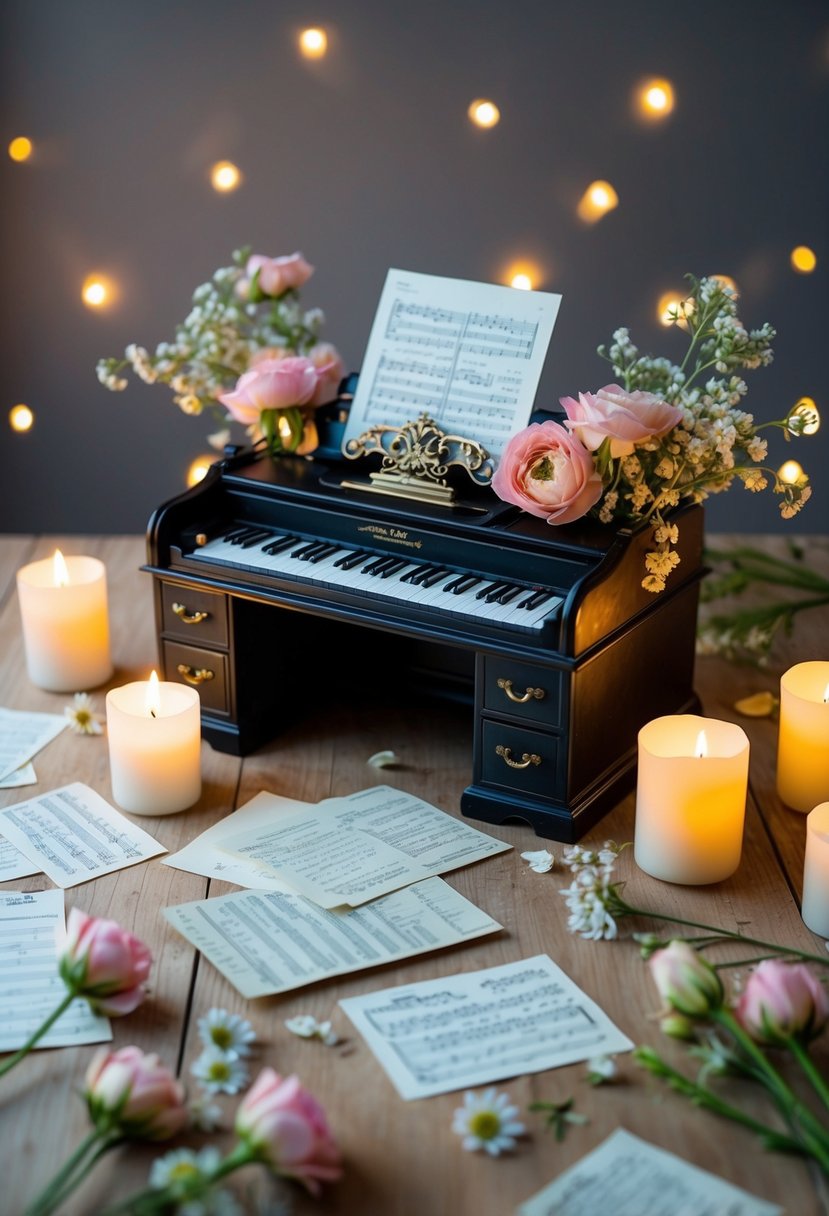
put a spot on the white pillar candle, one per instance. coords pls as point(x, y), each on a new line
point(690, 798)
point(816, 871)
point(154, 732)
point(63, 606)
point(803, 740)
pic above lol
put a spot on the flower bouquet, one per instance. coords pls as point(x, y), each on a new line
point(248, 352)
point(659, 435)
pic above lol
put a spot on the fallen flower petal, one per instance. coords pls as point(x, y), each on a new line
point(385, 759)
point(540, 861)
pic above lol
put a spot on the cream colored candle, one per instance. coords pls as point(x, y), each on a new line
point(63, 606)
point(816, 871)
point(690, 798)
point(154, 732)
point(803, 740)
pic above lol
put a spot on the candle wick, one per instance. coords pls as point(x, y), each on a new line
point(153, 713)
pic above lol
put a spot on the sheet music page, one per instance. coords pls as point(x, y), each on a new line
point(350, 850)
point(13, 863)
point(627, 1176)
point(267, 942)
point(471, 1029)
point(22, 735)
point(30, 988)
point(468, 354)
point(25, 775)
point(73, 834)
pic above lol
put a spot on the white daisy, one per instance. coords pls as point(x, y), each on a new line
point(220, 1072)
point(82, 719)
point(487, 1121)
point(179, 1170)
point(227, 1031)
point(541, 862)
point(307, 1027)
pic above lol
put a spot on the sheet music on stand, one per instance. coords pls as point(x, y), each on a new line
point(468, 354)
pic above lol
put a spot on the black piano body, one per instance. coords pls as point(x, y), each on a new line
point(561, 675)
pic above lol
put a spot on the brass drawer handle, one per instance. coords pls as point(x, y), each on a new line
point(532, 693)
point(195, 675)
point(526, 760)
point(192, 618)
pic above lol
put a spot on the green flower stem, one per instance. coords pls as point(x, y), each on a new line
point(9, 1064)
point(804, 1060)
point(155, 1199)
point(71, 1173)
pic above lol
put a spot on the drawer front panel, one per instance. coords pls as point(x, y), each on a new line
point(525, 691)
point(194, 615)
point(205, 670)
point(525, 761)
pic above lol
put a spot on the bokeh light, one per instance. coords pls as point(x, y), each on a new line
point(313, 43)
point(522, 274)
point(225, 176)
point(597, 200)
point(21, 418)
point(790, 472)
point(97, 291)
point(803, 259)
point(673, 307)
point(725, 280)
point(655, 99)
point(198, 469)
point(21, 148)
point(806, 408)
point(484, 113)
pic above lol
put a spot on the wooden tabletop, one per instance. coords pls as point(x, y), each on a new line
point(401, 1158)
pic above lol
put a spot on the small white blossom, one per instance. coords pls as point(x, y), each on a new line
point(306, 1026)
point(82, 719)
point(205, 1116)
point(601, 1069)
point(541, 861)
point(487, 1121)
point(220, 1072)
point(227, 1031)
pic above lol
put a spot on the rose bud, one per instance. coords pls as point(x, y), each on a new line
point(287, 1130)
point(685, 981)
point(104, 963)
point(135, 1095)
point(782, 1001)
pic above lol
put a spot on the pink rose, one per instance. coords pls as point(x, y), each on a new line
point(545, 470)
point(782, 1001)
point(330, 371)
point(273, 384)
point(134, 1094)
point(104, 963)
point(278, 274)
point(288, 1129)
point(686, 983)
point(624, 418)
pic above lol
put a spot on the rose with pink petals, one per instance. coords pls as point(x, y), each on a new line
point(286, 1128)
point(103, 963)
point(134, 1094)
point(278, 274)
point(782, 1001)
point(546, 471)
point(330, 371)
point(687, 983)
point(273, 384)
point(622, 417)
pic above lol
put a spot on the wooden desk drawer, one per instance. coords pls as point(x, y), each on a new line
point(194, 614)
point(520, 689)
point(205, 670)
point(518, 759)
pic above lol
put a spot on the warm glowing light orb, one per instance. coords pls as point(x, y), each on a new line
point(21, 418)
point(522, 281)
point(313, 43)
point(725, 280)
point(597, 200)
point(225, 176)
point(483, 113)
point(655, 98)
point(790, 472)
point(673, 308)
point(20, 148)
point(803, 259)
point(96, 291)
point(807, 409)
point(198, 470)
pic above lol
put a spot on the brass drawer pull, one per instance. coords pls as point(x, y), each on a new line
point(195, 675)
point(532, 693)
point(193, 618)
point(526, 760)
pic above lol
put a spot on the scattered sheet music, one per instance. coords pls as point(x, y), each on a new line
point(25, 775)
point(13, 863)
point(22, 735)
point(627, 1176)
point(482, 1026)
point(468, 354)
point(73, 834)
point(30, 987)
point(266, 942)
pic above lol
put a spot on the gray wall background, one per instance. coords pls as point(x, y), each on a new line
point(366, 160)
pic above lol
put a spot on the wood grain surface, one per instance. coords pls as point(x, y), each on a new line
point(401, 1158)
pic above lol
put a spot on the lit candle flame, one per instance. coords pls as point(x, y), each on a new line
point(61, 574)
point(153, 701)
point(826, 694)
point(702, 745)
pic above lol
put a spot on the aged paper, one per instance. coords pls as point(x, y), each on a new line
point(30, 988)
point(73, 834)
point(629, 1177)
point(266, 942)
point(470, 1029)
point(22, 735)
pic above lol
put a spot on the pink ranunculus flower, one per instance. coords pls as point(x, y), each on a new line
point(782, 1001)
point(545, 470)
point(330, 371)
point(103, 963)
point(687, 983)
point(622, 417)
point(287, 1129)
point(135, 1094)
point(278, 274)
point(273, 384)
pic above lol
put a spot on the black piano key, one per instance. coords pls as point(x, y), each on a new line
point(434, 577)
point(487, 590)
point(311, 551)
point(236, 538)
point(497, 592)
point(383, 565)
point(350, 558)
point(415, 574)
point(276, 546)
point(373, 564)
point(538, 599)
point(306, 547)
point(254, 539)
point(464, 584)
point(323, 553)
point(398, 564)
point(506, 596)
point(420, 576)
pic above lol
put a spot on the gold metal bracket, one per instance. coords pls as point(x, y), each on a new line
point(416, 460)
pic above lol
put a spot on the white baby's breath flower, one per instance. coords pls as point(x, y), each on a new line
point(82, 719)
point(227, 1031)
point(541, 861)
point(306, 1026)
point(487, 1121)
point(220, 1072)
point(205, 1116)
point(600, 1069)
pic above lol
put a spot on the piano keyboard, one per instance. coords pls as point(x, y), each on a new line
point(386, 577)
